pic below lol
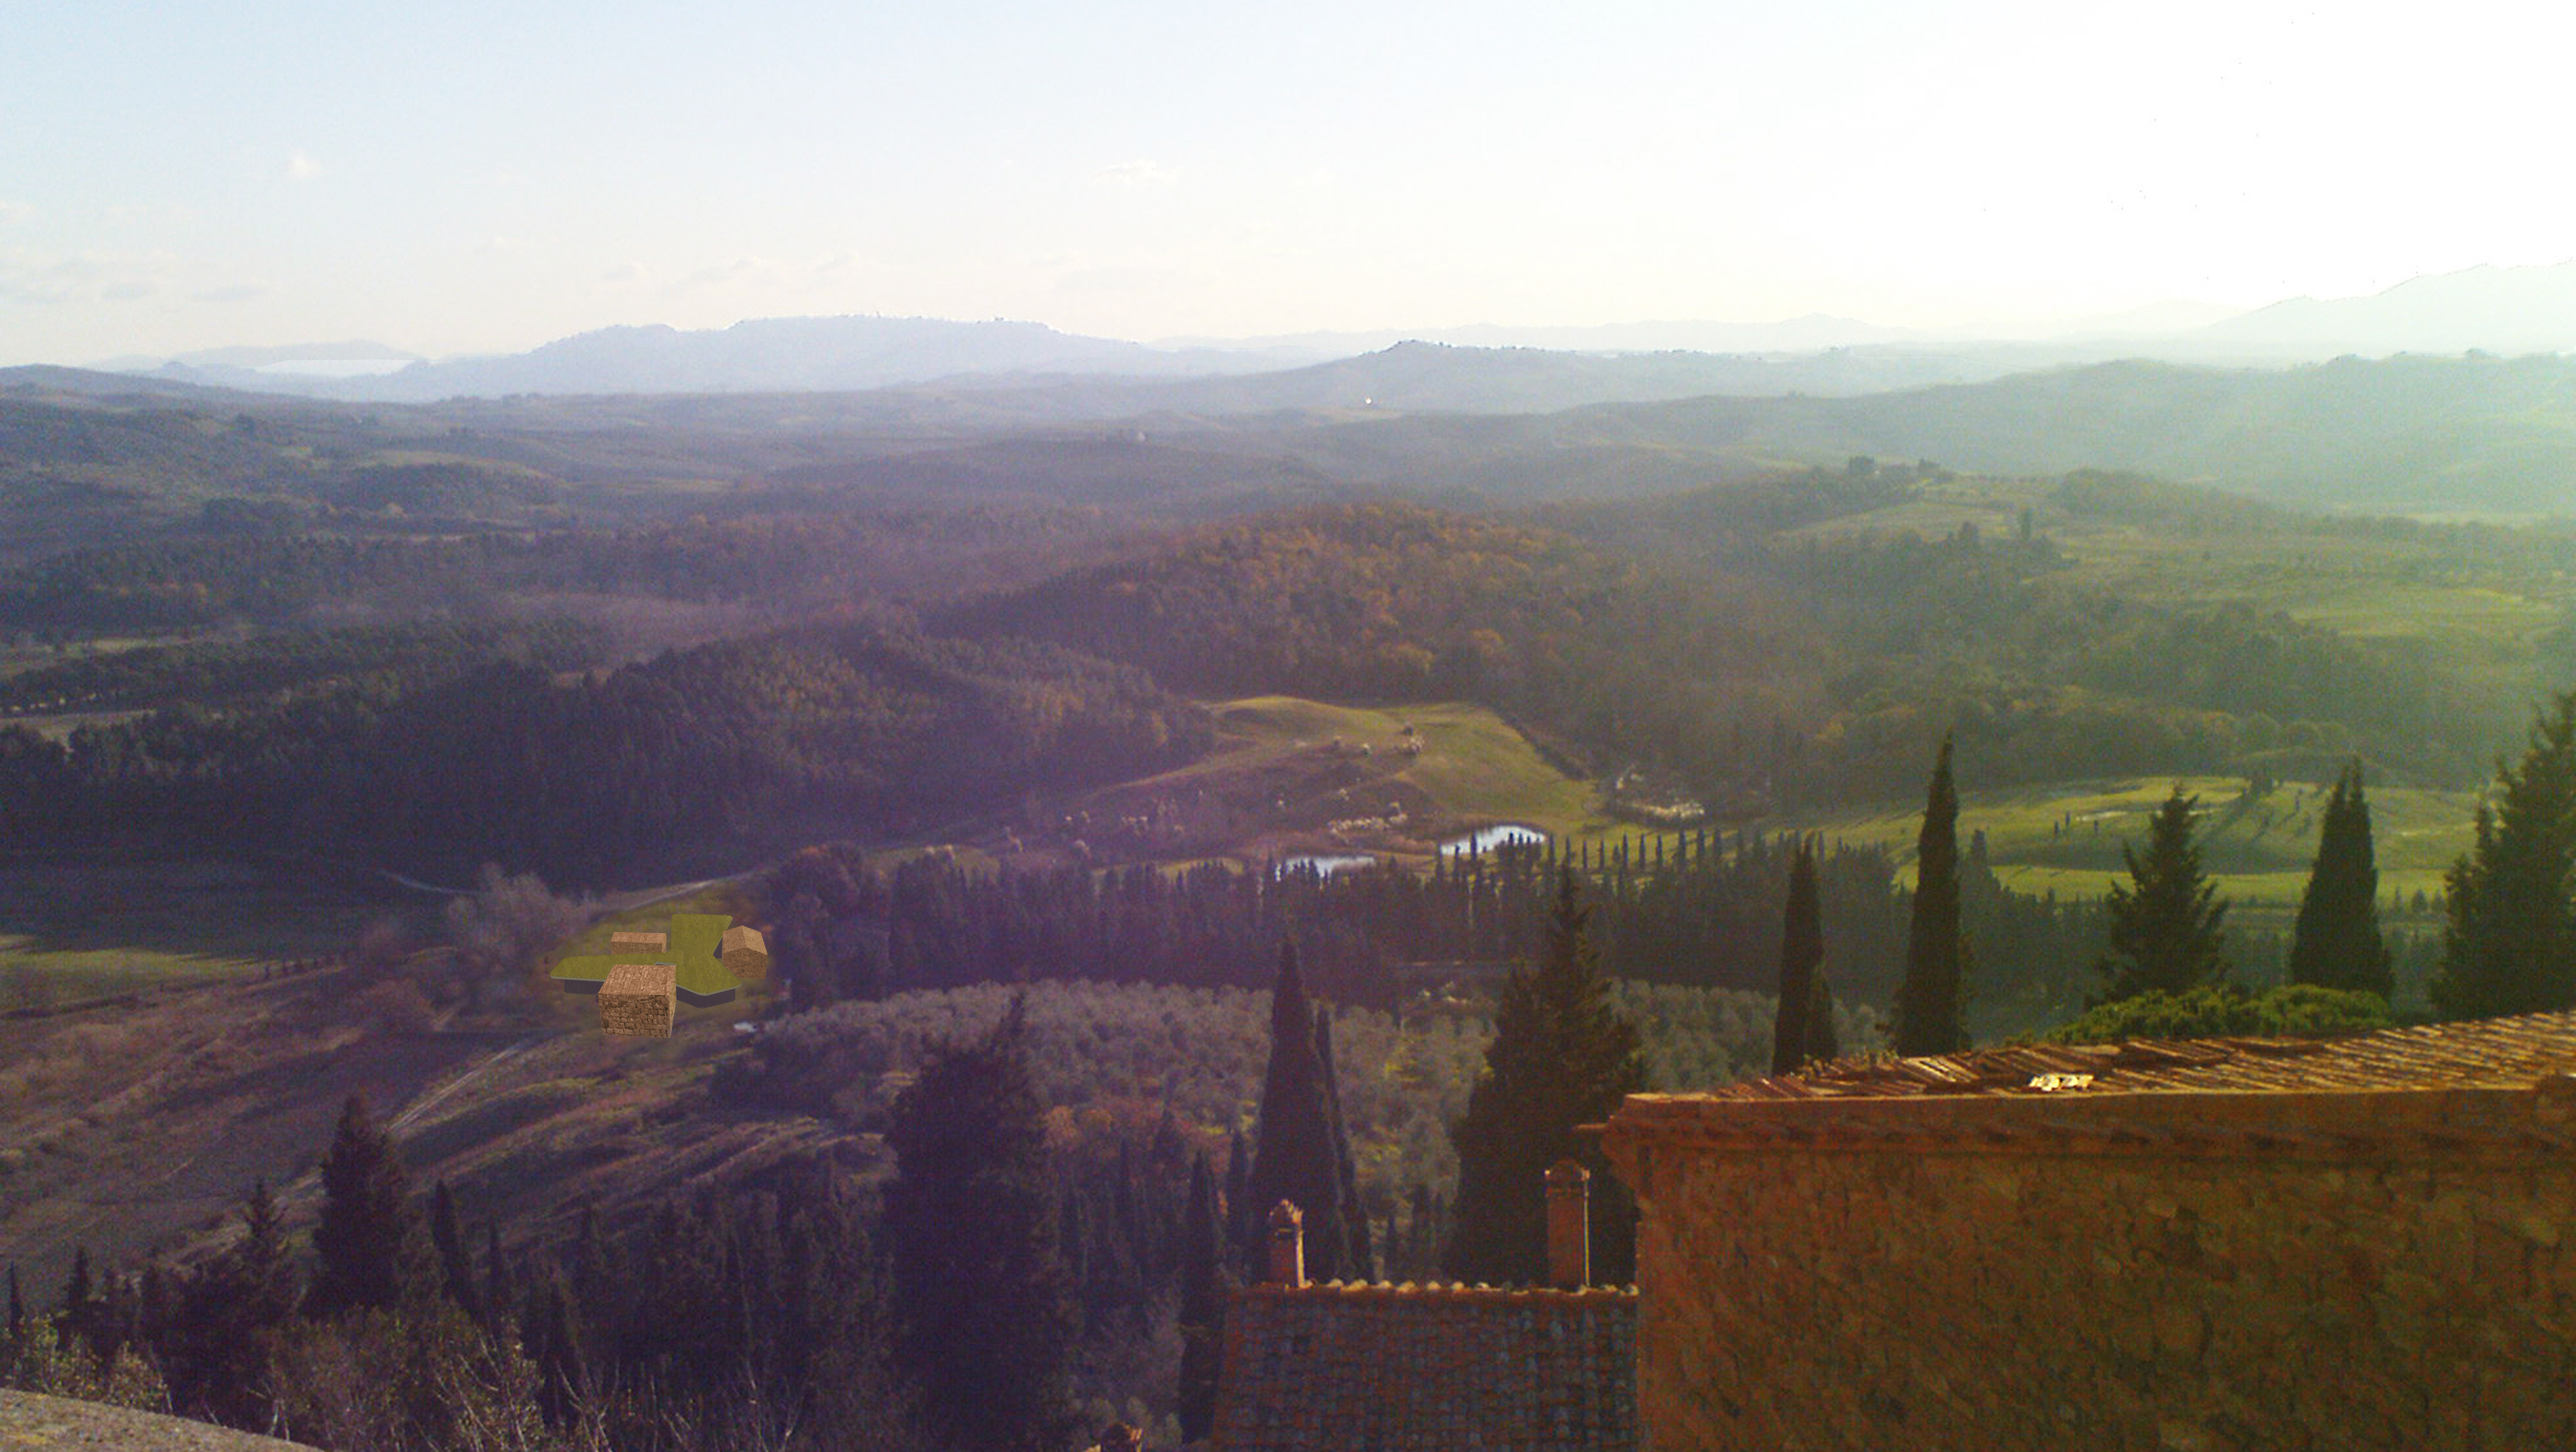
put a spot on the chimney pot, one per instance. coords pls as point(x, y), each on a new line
point(1569, 1225)
point(1287, 1245)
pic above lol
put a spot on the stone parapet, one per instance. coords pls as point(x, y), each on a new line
point(2200, 1271)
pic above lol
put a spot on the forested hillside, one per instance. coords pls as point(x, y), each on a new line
point(1726, 637)
point(695, 761)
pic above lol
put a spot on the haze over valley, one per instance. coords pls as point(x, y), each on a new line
point(727, 730)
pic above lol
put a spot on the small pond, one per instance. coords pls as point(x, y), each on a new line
point(1325, 864)
point(1486, 839)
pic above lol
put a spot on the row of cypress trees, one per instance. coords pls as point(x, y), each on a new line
point(2166, 922)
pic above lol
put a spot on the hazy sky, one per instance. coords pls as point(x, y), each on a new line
point(474, 176)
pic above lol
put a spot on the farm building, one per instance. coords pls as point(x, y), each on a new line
point(744, 953)
point(638, 942)
point(2366, 1242)
point(638, 1000)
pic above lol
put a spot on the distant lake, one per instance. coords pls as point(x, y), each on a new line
point(1486, 839)
point(1325, 864)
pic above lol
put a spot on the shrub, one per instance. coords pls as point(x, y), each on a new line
point(2299, 1011)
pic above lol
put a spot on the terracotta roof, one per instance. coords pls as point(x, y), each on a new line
point(1416, 1368)
point(2499, 1051)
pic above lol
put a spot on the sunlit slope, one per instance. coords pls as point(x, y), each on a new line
point(2492, 608)
point(1473, 764)
point(2067, 838)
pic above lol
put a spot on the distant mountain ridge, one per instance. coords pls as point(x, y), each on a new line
point(1490, 368)
point(813, 354)
point(2491, 309)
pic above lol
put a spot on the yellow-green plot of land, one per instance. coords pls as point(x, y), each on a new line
point(2067, 838)
point(695, 923)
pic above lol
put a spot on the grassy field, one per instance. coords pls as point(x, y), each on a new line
point(1473, 764)
point(73, 931)
point(2067, 838)
point(2486, 616)
point(2064, 838)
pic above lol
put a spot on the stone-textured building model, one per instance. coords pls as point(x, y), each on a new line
point(638, 1000)
point(639, 942)
point(744, 954)
point(1436, 1368)
point(2239, 1244)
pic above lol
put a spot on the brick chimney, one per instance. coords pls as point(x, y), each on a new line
point(1569, 1225)
point(1287, 1245)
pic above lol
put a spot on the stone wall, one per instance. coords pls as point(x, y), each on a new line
point(2190, 1271)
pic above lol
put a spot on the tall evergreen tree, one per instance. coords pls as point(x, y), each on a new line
point(1360, 1264)
point(1802, 957)
point(1562, 1056)
point(2336, 942)
point(1824, 1043)
point(1203, 1296)
point(1927, 1002)
point(2509, 945)
point(496, 1285)
point(456, 1268)
point(984, 1310)
point(2165, 920)
point(1238, 1190)
point(216, 1358)
point(1293, 1157)
point(552, 1334)
point(365, 1241)
point(80, 1299)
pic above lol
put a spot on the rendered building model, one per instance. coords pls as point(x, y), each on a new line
point(744, 954)
point(638, 1000)
point(708, 958)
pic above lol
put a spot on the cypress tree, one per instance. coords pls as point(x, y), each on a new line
point(2509, 940)
point(1203, 1295)
point(984, 1310)
point(1802, 956)
point(1562, 1056)
point(456, 1271)
point(2164, 921)
point(1238, 1192)
point(1927, 1002)
point(79, 1304)
point(2336, 942)
point(1824, 1044)
point(553, 1341)
point(364, 1240)
point(1293, 1157)
point(496, 1273)
point(267, 1276)
point(1362, 1265)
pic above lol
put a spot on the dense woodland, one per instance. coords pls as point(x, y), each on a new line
point(684, 762)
